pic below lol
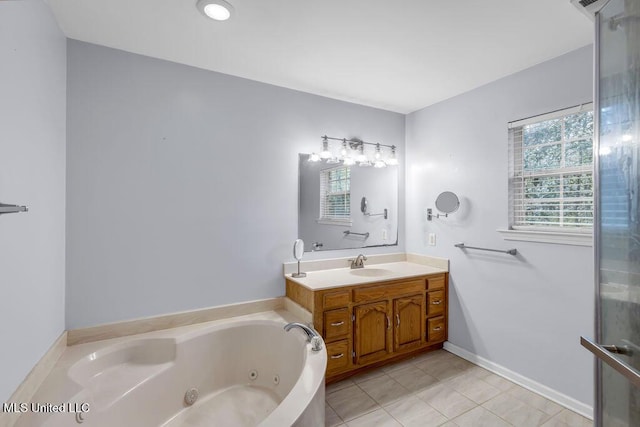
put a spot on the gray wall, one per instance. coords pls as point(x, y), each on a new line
point(32, 172)
point(524, 313)
point(183, 183)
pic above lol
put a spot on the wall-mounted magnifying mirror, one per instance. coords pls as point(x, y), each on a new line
point(447, 202)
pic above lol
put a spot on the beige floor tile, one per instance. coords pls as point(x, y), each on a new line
point(338, 386)
point(384, 389)
point(331, 419)
point(450, 424)
point(445, 400)
point(367, 375)
point(568, 418)
point(413, 378)
point(435, 363)
point(379, 418)
point(535, 400)
point(479, 372)
point(446, 373)
point(498, 382)
point(473, 388)
point(351, 402)
point(480, 417)
point(515, 411)
point(404, 364)
point(415, 412)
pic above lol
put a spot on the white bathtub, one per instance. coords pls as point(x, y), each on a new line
point(247, 372)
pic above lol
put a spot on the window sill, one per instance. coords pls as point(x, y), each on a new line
point(343, 223)
point(558, 238)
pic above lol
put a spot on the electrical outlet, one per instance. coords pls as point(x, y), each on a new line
point(384, 234)
point(432, 239)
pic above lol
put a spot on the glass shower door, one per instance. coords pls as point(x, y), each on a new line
point(617, 228)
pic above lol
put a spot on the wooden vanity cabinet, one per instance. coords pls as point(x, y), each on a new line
point(369, 324)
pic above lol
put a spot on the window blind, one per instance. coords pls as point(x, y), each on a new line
point(335, 194)
point(551, 171)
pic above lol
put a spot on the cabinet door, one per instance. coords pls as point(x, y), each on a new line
point(407, 313)
point(372, 332)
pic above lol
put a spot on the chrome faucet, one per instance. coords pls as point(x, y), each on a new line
point(358, 262)
point(312, 335)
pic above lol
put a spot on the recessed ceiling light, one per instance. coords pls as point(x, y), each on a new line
point(219, 10)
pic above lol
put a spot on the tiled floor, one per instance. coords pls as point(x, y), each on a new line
point(440, 389)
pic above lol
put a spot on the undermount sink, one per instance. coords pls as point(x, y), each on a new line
point(370, 272)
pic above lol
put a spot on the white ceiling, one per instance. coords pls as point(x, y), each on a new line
point(397, 55)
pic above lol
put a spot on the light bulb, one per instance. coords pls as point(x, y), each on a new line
point(325, 153)
point(379, 164)
point(626, 137)
point(392, 160)
point(344, 150)
point(218, 10)
point(361, 156)
point(348, 161)
point(378, 155)
point(313, 157)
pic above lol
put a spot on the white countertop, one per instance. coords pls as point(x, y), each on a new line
point(337, 277)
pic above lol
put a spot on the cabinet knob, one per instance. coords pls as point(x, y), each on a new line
point(388, 322)
point(397, 320)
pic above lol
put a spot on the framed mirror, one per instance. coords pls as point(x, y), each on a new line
point(343, 207)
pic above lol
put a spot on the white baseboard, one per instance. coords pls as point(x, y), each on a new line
point(549, 393)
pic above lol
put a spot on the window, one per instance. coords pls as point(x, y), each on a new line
point(551, 172)
point(335, 195)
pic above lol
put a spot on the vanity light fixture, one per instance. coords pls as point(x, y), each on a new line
point(218, 10)
point(384, 155)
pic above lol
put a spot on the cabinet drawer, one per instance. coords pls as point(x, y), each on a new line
point(335, 299)
point(435, 303)
point(436, 282)
point(436, 329)
point(379, 292)
point(336, 324)
point(337, 355)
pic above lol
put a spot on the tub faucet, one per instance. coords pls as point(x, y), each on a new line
point(358, 262)
point(312, 336)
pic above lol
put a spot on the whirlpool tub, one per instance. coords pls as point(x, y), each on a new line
point(240, 372)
